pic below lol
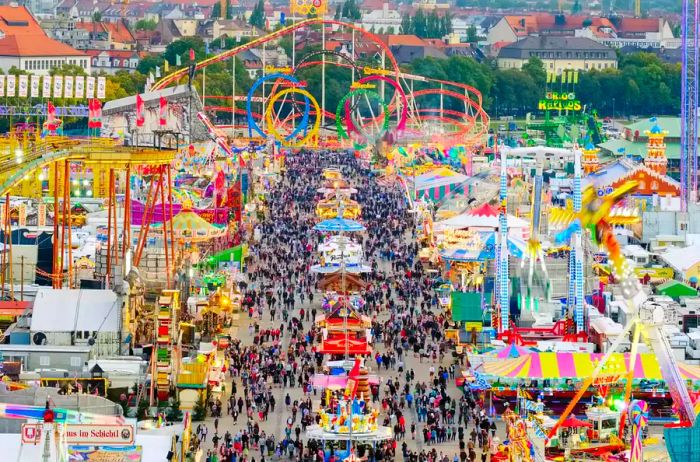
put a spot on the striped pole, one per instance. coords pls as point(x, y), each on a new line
point(577, 249)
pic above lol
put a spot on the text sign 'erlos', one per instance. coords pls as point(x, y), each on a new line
point(85, 434)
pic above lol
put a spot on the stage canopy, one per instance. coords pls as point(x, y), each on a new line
point(579, 365)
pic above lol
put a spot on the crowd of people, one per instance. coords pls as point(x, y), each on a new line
point(271, 375)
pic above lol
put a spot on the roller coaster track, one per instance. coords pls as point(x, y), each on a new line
point(472, 98)
point(95, 151)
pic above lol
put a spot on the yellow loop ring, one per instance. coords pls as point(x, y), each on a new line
point(313, 131)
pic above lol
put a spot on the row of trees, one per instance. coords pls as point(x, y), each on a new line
point(349, 10)
point(430, 25)
point(641, 85)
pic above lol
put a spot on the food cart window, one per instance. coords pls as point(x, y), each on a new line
point(608, 424)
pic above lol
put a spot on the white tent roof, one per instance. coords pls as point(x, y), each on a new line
point(466, 220)
point(442, 176)
point(682, 258)
point(68, 310)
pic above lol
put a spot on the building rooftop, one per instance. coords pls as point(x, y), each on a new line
point(522, 48)
point(24, 37)
point(35, 45)
point(118, 31)
point(81, 310)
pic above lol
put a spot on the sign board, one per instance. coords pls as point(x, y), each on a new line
point(86, 434)
point(555, 101)
point(105, 454)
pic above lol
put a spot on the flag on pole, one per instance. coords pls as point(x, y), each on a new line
point(166, 66)
point(140, 118)
point(157, 72)
point(163, 111)
point(191, 74)
point(95, 113)
point(192, 54)
point(178, 60)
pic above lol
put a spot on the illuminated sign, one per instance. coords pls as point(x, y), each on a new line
point(555, 101)
point(278, 70)
point(375, 71)
point(362, 86)
point(85, 434)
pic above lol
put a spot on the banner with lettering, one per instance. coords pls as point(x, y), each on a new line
point(105, 453)
point(101, 87)
point(41, 215)
point(90, 87)
point(46, 90)
point(79, 86)
point(11, 85)
point(23, 85)
point(68, 86)
point(34, 86)
point(57, 86)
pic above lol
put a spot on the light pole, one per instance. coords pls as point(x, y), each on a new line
point(613, 111)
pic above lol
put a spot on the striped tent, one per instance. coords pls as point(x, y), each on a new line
point(436, 183)
point(579, 365)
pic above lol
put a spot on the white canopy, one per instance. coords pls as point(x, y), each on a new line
point(68, 310)
point(478, 221)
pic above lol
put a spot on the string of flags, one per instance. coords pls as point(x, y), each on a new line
point(56, 86)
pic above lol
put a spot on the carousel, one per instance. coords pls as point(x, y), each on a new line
point(340, 252)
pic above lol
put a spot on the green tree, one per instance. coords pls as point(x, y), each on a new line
point(216, 11)
point(182, 48)
point(471, 34)
point(146, 24)
point(257, 17)
point(535, 69)
point(407, 25)
point(420, 24)
point(96, 16)
point(199, 412)
point(68, 69)
point(149, 64)
point(351, 11)
point(174, 413)
point(141, 411)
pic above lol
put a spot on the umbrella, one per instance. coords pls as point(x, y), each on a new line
point(339, 225)
point(573, 422)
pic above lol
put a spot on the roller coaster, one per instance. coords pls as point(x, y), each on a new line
point(382, 100)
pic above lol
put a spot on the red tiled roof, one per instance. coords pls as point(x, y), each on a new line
point(369, 5)
point(638, 25)
point(524, 25)
point(17, 20)
point(119, 31)
point(437, 43)
point(35, 45)
point(121, 54)
point(405, 40)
